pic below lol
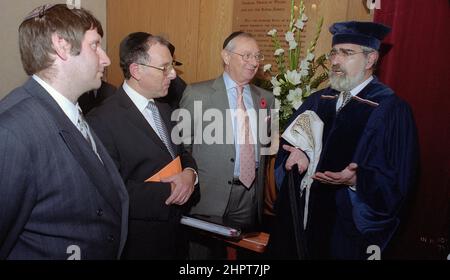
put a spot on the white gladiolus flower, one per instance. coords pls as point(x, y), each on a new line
point(279, 52)
point(289, 36)
point(295, 98)
point(299, 24)
point(272, 32)
point(277, 104)
point(294, 93)
point(275, 82)
point(304, 64)
point(267, 67)
point(293, 77)
point(304, 18)
point(310, 56)
point(292, 45)
point(303, 73)
point(297, 103)
point(277, 91)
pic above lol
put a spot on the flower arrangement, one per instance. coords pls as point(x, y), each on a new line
point(296, 78)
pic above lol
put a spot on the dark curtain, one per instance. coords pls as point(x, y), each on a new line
point(417, 68)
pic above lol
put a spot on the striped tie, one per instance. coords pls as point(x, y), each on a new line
point(83, 127)
point(162, 130)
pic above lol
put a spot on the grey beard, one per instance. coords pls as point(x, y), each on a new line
point(345, 83)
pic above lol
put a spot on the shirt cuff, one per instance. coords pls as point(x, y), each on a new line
point(195, 173)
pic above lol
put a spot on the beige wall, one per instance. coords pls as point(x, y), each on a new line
point(196, 27)
point(11, 14)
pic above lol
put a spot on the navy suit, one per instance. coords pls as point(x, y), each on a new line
point(55, 192)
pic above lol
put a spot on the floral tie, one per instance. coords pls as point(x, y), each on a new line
point(246, 148)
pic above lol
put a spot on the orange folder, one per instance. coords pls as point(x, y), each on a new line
point(173, 168)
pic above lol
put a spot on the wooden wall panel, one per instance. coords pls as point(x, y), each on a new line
point(216, 18)
point(197, 29)
point(176, 20)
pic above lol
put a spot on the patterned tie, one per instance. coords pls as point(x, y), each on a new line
point(162, 130)
point(83, 127)
point(246, 148)
point(346, 97)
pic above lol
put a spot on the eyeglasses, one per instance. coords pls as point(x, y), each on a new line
point(246, 57)
point(344, 53)
point(165, 69)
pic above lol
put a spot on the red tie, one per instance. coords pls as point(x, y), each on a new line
point(245, 141)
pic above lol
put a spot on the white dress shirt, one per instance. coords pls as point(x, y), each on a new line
point(71, 110)
point(230, 86)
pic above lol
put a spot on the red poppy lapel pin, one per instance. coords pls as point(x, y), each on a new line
point(263, 103)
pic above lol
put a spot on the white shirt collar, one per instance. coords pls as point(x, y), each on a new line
point(140, 101)
point(360, 87)
point(70, 109)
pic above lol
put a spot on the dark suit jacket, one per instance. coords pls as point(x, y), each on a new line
point(54, 190)
point(139, 153)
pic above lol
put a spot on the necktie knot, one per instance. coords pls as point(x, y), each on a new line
point(346, 97)
point(240, 89)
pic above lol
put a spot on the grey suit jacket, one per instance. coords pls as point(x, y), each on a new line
point(216, 161)
point(57, 199)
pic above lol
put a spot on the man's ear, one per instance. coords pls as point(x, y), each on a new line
point(225, 57)
point(371, 60)
point(61, 46)
point(135, 71)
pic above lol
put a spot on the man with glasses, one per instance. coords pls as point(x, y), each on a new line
point(135, 128)
point(61, 195)
point(231, 168)
point(368, 160)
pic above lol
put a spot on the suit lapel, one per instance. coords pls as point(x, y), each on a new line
point(78, 146)
point(220, 102)
point(136, 118)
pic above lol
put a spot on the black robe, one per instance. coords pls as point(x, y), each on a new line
point(376, 130)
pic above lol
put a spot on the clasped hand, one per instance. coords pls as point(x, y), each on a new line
point(182, 186)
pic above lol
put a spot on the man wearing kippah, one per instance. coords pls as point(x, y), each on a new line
point(368, 160)
point(61, 194)
point(231, 172)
